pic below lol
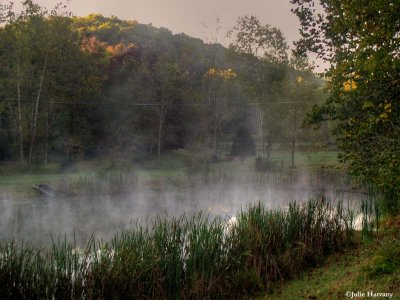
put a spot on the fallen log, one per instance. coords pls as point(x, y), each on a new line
point(45, 190)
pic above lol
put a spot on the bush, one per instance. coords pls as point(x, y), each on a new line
point(387, 260)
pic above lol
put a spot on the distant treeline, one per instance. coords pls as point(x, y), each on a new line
point(76, 87)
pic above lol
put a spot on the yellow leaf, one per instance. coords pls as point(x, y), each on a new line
point(350, 85)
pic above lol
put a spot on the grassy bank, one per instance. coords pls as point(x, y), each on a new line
point(372, 265)
point(181, 258)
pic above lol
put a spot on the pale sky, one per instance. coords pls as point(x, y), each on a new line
point(188, 16)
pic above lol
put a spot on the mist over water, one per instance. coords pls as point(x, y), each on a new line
point(42, 219)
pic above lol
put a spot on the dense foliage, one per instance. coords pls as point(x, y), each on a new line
point(361, 41)
point(46, 75)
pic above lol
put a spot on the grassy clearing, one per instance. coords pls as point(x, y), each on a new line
point(183, 258)
point(16, 183)
point(372, 265)
point(174, 167)
point(307, 159)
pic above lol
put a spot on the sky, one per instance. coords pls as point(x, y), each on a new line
point(188, 16)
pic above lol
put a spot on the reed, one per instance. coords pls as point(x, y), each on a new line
point(188, 257)
point(102, 183)
point(371, 213)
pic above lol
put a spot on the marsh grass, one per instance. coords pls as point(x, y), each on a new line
point(101, 183)
point(322, 180)
point(371, 213)
point(183, 258)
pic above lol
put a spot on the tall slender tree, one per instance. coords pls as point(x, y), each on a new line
point(265, 50)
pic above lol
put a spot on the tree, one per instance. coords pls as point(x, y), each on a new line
point(168, 90)
point(243, 143)
point(360, 40)
point(125, 88)
point(264, 51)
point(146, 92)
point(264, 41)
point(300, 90)
point(44, 68)
point(217, 85)
point(26, 60)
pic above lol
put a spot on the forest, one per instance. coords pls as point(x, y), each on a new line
point(74, 88)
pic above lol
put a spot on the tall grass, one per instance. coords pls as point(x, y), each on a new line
point(188, 257)
point(371, 213)
point(102, 183)
point(321, 180)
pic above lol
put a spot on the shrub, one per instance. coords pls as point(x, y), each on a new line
point(387, 260)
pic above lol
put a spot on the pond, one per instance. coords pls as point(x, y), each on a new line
point(39, 220)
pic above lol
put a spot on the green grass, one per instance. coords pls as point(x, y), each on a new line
point(307, 159)
point(372, 265)
point(174, 167)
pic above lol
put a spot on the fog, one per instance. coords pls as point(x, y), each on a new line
point(39, 220)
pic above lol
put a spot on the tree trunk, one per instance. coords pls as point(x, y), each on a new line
point(160, 129)
point(161, 122)
point(293, 149)
point(263, 147)
point(34, 124)
point(46, 153)
point(268, 149)
point(260, 122)
point(215, 130)
point(46, 150)
point(14, 117)
point(20, 129)
point(295, 133)
point(214, 145)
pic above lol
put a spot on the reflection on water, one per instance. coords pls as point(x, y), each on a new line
point(38, 220)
